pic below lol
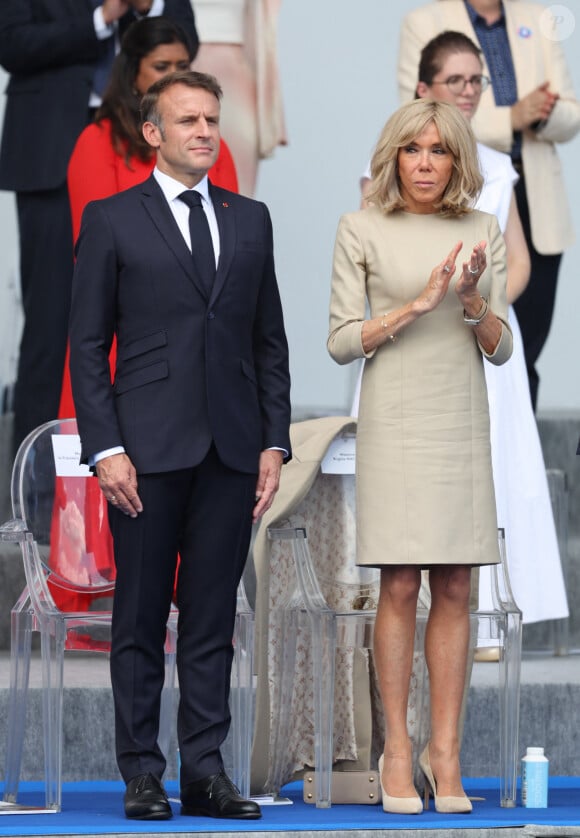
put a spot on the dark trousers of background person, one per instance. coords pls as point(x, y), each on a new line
point(46, 266)
point(535, 307)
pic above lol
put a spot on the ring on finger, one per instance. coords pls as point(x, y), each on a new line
point(447, 269)
point(473, 272)
point(113, 499)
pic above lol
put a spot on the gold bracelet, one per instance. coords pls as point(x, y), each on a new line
point(391, 338)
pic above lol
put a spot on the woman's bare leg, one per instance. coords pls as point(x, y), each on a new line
point(393, 652)
point(446, 650)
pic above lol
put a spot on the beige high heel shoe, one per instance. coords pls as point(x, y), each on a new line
point(445, 805)
point(399, 805)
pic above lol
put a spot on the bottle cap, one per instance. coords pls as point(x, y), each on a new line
point(535, 752)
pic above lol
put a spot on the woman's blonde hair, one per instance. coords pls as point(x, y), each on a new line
point(403, 127)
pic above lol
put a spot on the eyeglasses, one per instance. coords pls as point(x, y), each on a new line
point(457, 84)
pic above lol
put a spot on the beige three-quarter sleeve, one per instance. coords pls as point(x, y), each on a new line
point(347, 294)
point(497, 296)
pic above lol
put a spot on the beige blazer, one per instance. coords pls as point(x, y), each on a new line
point(536, 59)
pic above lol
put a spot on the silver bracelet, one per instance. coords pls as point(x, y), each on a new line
point(475, 321)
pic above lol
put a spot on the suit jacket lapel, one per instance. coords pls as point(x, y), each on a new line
point(514, 18)
point(155, 204)
point(227, 229)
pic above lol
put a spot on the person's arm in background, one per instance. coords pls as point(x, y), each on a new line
point(563, 124)
point(28, 45)
point(551, 93)
point(518, 256)
point(179, 11)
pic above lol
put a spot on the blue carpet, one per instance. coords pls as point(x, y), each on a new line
point(97, 808)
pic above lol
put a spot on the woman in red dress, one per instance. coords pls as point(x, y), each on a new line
point(111, 155)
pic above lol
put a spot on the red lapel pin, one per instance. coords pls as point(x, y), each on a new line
point(225, 204)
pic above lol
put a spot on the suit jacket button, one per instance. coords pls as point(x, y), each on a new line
point(210, 315)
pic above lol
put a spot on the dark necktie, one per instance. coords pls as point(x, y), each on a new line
point(201, 244)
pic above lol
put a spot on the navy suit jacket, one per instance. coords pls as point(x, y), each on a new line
point(189, 369)
point(50, 49)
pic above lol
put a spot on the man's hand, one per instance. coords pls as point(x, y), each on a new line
point(268, 481)
point(142, 7)
point(114, 9)
point(118, 482)
point(535, 107)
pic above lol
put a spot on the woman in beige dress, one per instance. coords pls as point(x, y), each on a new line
point(432, 273)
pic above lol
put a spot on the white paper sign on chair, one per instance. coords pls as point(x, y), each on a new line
point(67, 455)
point(340, 455)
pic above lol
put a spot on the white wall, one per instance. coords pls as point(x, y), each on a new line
point(338, 76)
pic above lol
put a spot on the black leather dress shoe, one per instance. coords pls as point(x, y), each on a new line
point(217, 797)
point(145, 799)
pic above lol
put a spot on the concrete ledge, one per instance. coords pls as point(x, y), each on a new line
point(549, 717)
point(559, 433)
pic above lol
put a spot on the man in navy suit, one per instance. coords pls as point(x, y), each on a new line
point(188, 441)
point(57, 53)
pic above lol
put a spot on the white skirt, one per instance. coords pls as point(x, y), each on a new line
point(522, 497)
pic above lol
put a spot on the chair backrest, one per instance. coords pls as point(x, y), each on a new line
point(64, 513)
point(329, 568)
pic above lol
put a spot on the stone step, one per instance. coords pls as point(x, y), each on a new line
point(88, 725)
point(549, 717)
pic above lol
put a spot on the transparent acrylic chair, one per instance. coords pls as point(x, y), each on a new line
point(242, 693)
point(60, 523)
point(306, 618)
point(502, 625)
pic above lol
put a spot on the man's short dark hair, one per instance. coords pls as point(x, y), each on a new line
point(189, 78)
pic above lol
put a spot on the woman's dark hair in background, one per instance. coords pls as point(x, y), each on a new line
point(436, 51)
point(121, 100)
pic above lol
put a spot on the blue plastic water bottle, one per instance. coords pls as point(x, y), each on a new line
point(535, 779)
